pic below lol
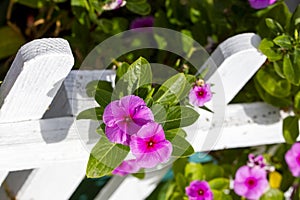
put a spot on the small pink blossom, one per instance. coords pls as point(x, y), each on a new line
point(260, 4)
point(142, 22)
point(200, 94)
point(125, 117)
point(250, 182)
point(126, 167)
point(199, 190)
point(292, 158)
point(150, 146)
point(256, 161)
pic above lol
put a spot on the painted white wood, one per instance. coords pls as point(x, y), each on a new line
point(57, 181)
point(253, 124)
point(34, 78)
point(3, 175)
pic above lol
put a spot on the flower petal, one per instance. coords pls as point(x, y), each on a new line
point(116, 135)
point(126, 167)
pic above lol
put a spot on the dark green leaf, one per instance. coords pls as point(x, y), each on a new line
point(274, 26)
point(94, 86)
point(181, 147)
point(283, 41)
point(104, 157)
point(10, 42)
point(92, 113)
point(297, 101)
point(219, 183)
point(212, 171)
point(295, 20)
point(140, 8)
point(103, 97)
point(179, 116)
point(173, 90)
point(290, 129)
point(181, 182)
point(273, 194)
point(140, 174)
point(138, 74)
point(267, 48)
point(289, 71)
point(121, 70)
point(278, 67)
point(179, 165)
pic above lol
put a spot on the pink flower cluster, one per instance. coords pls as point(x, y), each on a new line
point(292, 158)
point(251, 180)
point(130, 122)
point(260, 4)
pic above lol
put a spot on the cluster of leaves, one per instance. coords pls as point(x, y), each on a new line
point(278, 81)
point(168, 103)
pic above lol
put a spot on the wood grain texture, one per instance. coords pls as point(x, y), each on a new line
point(36, 74)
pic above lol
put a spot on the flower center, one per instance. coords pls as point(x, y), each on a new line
point(201, 192)
point(251, 182)
point(150, 144)
point(127, 119)
point(200, 93)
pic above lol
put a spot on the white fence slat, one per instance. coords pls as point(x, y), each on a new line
point(34, 78)
point(56, 181)
point(3, 175)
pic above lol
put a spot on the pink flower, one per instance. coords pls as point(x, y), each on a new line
point(115, 4)
point(259, 4)
point(200, 94)
point(292, 158)
point(150, 146)
point(250, 182)
point(126, 167)
point(199, 190)
point(257, 161)
point(125, 117)
point(142, 22)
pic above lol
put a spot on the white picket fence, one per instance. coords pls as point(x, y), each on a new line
point(42, 156)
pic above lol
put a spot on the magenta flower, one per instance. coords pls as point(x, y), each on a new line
point(125, 117)
point(250, 182)
point(259, 4)
point(292, 158)
point(113, 5)
point(199, 190)
point(126, 167)
point(200, 94)
point(142, 22)
point(150, 146)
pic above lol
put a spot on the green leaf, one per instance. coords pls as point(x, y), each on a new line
point(267, 47)
point(140, 174)
point(219, 183)
point(31, 3)
point(283, 41)
point(278, 67)
point(104, 157)
point(194, 171)
point(92, 113)
point(179, 165)
point(212, 171)
point(138, 74)
point(103, 97)
point(181, 147)
point(273, 194)
point(94, 86)
point(297, 101)
point(140, 8)
point(181, 182)
point(10, 42)
point(179, 116)
point(295, 20)
point(275, 101)
point(173, 90)
point(274, 26)
point(272, 83)
point(289, 71)
point(219, 195)
point(159, 112)
point(121, 70)
point(290, 129)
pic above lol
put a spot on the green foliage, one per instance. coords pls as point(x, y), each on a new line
point(273, 194)
point(10, 42)
point(290, 129)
